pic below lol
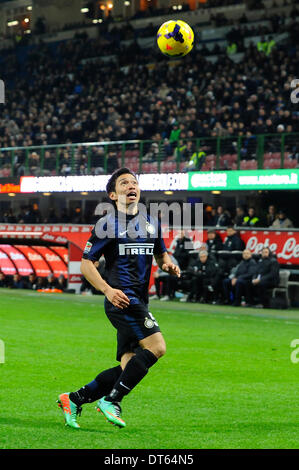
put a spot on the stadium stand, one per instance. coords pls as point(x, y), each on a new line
point(84, 98)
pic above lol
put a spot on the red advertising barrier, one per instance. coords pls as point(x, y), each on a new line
point(62, 252)
point(76, 234)
point(23, 266)
point(39, 265)
point(6, 265)
point(56, 264)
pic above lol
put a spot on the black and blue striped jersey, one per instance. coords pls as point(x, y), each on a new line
point(128, 243)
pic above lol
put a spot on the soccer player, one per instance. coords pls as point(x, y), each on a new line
point(128, 238)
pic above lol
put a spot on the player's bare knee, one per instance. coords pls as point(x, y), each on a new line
point(159, 350)
point(162, 351)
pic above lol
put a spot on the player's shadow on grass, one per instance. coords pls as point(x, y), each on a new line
point(47, 424)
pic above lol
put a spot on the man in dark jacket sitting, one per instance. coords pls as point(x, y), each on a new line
point(238, 283)
point(214, 242)
point(182, 250)
point(205, 275)
point(265, 277)
point(233, 243)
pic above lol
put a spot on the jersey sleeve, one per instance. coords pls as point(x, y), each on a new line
point(159, 247)
point(95, 247)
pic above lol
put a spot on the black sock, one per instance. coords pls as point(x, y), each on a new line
point(136, 368)
point(98, 388)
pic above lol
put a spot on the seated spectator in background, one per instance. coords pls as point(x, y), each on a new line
point(266, 276)
point(49, 165)
point(169, 283)
point(51, 217)
point(213, 217)
point(214, 242)
point(51, 282)
point(97, 160)
point(239, 218)
point(152, 155)
point(282, 221)
point(26, 216)
point(251, 220)
point(238, 283)
point(77, 216)
point(61, 283)
point(40, 283)
point(271, 215)
point(4, 281)
point(222, 217)
point(181, 252)
point(233, 242)
point(205, 276)
point(112, 163)
point(34, 164)
point(66, 164)
point(9, 217)
point(36, 214)
point(207, 215)
point(17, 282)
point(196, 161)
point(31, 283)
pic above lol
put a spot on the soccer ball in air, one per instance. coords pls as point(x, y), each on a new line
point(175, 38)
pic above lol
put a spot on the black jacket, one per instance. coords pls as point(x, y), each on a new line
point(222, 220)
point(246, 269)
point(208, 270)
point(214, 245)
point(233, 243)
point(268, 270)
point(182, 254)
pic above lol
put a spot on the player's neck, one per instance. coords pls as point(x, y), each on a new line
point(131, 209)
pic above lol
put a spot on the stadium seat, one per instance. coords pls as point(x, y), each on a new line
point(252, 165)
point(210, 158)
point(243, 165)
point(135, 167)
point(290, 163)
point(5, 172)
point(274, 163)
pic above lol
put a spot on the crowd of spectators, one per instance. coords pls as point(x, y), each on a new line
point(213, 216)
point(247, 217)
point(30, 214)
point(54, 98)
point(220, 273)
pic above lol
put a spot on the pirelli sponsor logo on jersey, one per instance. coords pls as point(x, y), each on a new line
point(136, 249)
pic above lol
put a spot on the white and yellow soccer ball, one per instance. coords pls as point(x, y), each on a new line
point(175, 38)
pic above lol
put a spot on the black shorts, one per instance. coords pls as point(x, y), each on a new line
point(132, 323)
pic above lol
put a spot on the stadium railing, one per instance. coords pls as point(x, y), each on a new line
point(263, 151)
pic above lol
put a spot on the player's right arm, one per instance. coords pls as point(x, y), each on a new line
point(93, 250)
point(115, 296)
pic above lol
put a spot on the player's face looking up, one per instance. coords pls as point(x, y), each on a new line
point(126, 194)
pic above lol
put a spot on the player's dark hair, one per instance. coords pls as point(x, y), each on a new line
point(112, 180)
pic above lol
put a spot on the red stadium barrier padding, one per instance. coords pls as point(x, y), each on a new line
point(38, 263)
point(21, 263)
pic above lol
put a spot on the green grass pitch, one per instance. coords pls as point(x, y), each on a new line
point(227, 380)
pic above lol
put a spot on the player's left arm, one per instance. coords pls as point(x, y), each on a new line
point(164, 262)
